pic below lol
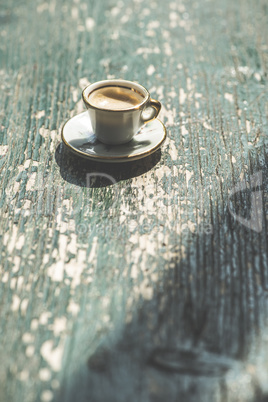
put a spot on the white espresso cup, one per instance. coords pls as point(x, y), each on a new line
point(118, 109)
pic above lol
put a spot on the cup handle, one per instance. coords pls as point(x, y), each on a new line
point(155, 107)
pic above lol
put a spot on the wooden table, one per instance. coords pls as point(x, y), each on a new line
point(153, 288)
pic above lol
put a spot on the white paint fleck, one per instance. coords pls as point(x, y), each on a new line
point(168, 115)
point(47, 395)
point(146, 11)
point(90, 24)
point(105, 62)
point(257, 76)
point(150, 69)
point(146, 290)
point(43, 318)
point(150, 33)
point(5, 277)
point(29, 352)
point(73, 307)
point(173, 16)
point(229, 97)
point(12, 240)
point(74, 270)
point(106, 301)
point(72, 246)
point(132, 225)
point(20, 242)
point(248, 126)
point(189, 84)
point(42, 7)
point(56, 271)
point(31, 182)
point(208, 126)
point(74, 13)
point(181, 8)
point(153, 25)
point(23, 375)
point(34, 324)
point(186, 25)
point(184, 130)
point(83, 82)
point(245, 70)
point(134, 271)
point(115, 35)
point(160, 91)
point(44, 374)
point(124, 19)
point(27, 163)
point(93, 249)
point(166, 34)
point(115, 11)
point(167, 49)
point(145, 50)
point(182, 96)
point(172, 93)
point(106, 318)
point(40, 113)
point(59, 325)
point(13, 282)
point(75, 94)
point(45, 132)
point(173, 151)
point(15, 303)
point(27, 337)
point(188, 177)
point(3, 150)
point(52, 355)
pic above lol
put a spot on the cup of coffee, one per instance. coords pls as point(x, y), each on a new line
point(118, 108)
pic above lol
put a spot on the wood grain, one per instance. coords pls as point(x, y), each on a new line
point(152, 288)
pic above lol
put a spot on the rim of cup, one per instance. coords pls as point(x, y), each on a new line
point(119, 83)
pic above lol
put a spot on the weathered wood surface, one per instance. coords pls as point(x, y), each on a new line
point(149, 289)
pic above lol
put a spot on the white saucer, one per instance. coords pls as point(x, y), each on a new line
point(78, 136)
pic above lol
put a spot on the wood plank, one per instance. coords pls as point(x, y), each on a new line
point(149, 289)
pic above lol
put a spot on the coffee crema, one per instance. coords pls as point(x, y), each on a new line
point(115, 98)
